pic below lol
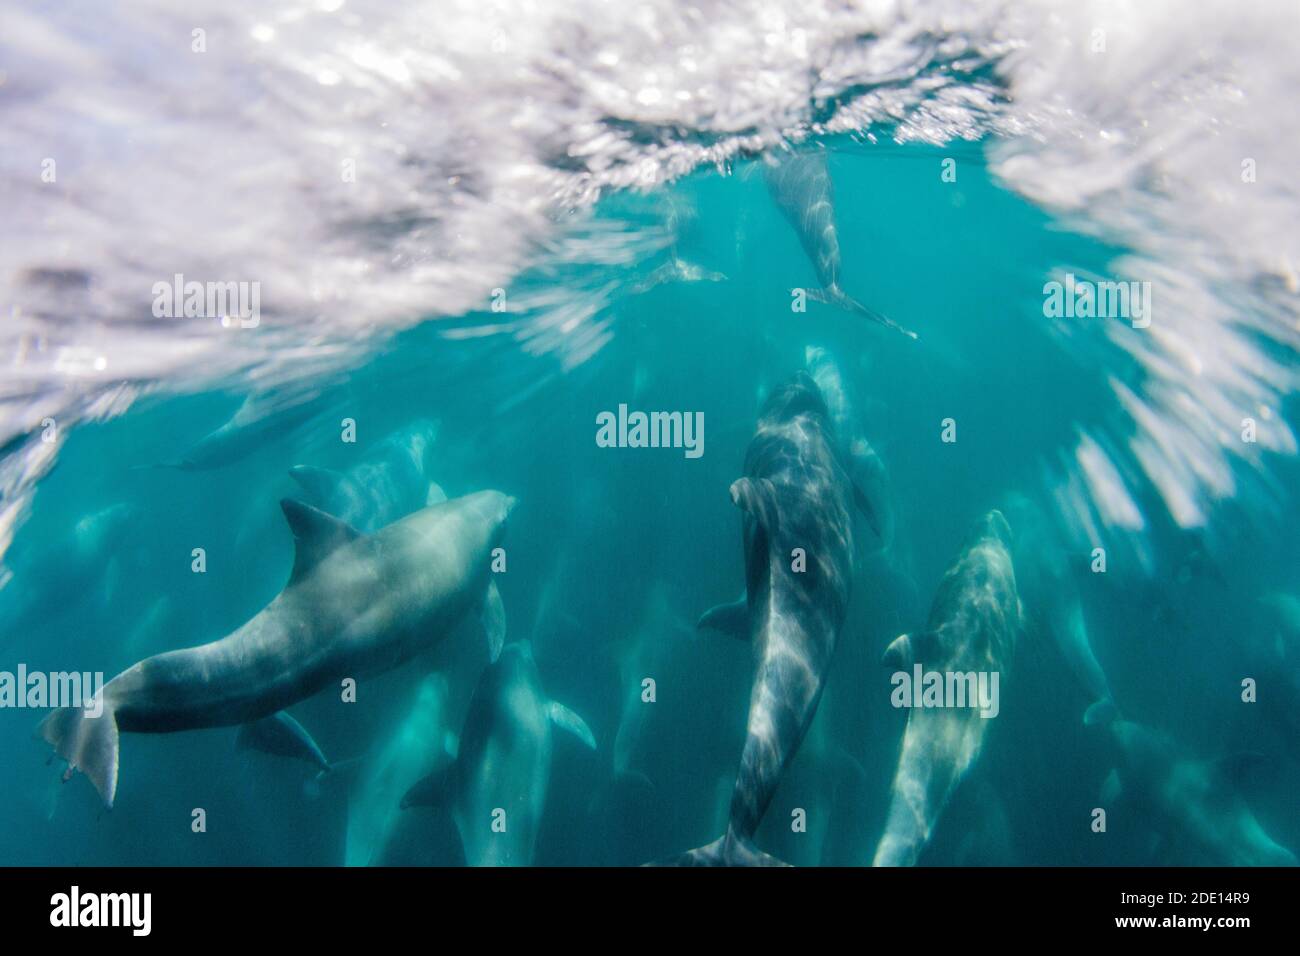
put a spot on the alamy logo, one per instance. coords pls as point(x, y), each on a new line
point(38, 689)
point(651, 430)
point(1084, 299)
point(103, 909)
point(924, 689)
point(233, 303)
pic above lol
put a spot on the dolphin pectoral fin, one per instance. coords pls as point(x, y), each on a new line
point(1111, 789)
point(842, 300)
point(757, 498)
point(281, 736)
point(908, 649)
point(868, 511)
point(566, 719)
point(431, 791)
point(898, 654)
point(321, 485)
point(731, 619)
point(493, 616)
point(436, 495)
point(316, 536)
point(88, 743)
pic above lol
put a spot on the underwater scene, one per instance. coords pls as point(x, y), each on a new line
point(576, 433)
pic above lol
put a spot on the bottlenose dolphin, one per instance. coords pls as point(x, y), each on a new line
point(259, 420)
point(84, 564)
point(1050, 595)
point(281, 736)
point(496, 788)
point(866, 470)
point(389, 483)
point(1195, 801)
point(420, 743)
point(644, 655)
point(973, 628)
point(355, 605)
point(800, 183)
point(796, 498)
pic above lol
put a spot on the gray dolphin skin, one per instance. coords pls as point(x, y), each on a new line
point(866, 470)
point(355, 605)
point(795, 494)
point(496, 788)
point(257, 421)
point(391, 482)
point(973, 628)
point(800, 184)
point(1196, 802)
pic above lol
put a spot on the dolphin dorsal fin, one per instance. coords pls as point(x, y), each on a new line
point(316, 535)
point(321, 485)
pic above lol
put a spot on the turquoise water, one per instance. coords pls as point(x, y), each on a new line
point(616, 552)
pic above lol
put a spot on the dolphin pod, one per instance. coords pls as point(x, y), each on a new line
point(355, 605)
point(796, 497)
point(1195, 802)
point(972, 629)
point(496, 787)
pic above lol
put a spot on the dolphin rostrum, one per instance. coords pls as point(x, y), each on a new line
point(798, 543)
point(973, 628)
point(496, 787)
point(800, 183)
point(355, 605)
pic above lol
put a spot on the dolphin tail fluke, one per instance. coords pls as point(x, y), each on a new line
point(88, 743)
point(842, 300)
point(728, 850)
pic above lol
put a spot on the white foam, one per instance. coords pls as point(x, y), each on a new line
point(475, 126)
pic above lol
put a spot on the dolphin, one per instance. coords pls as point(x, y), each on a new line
point(87, 563)
point(355, 605)
point(796, 499)
point(800, 184)
point(415, 748)
point(644, 655)
point(496, 788)
point(389, 483)
point(866, 470)
point(281, 736)
point(1051, 596)
point(257, 421)
point(1195, 801)
point(973, 628)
